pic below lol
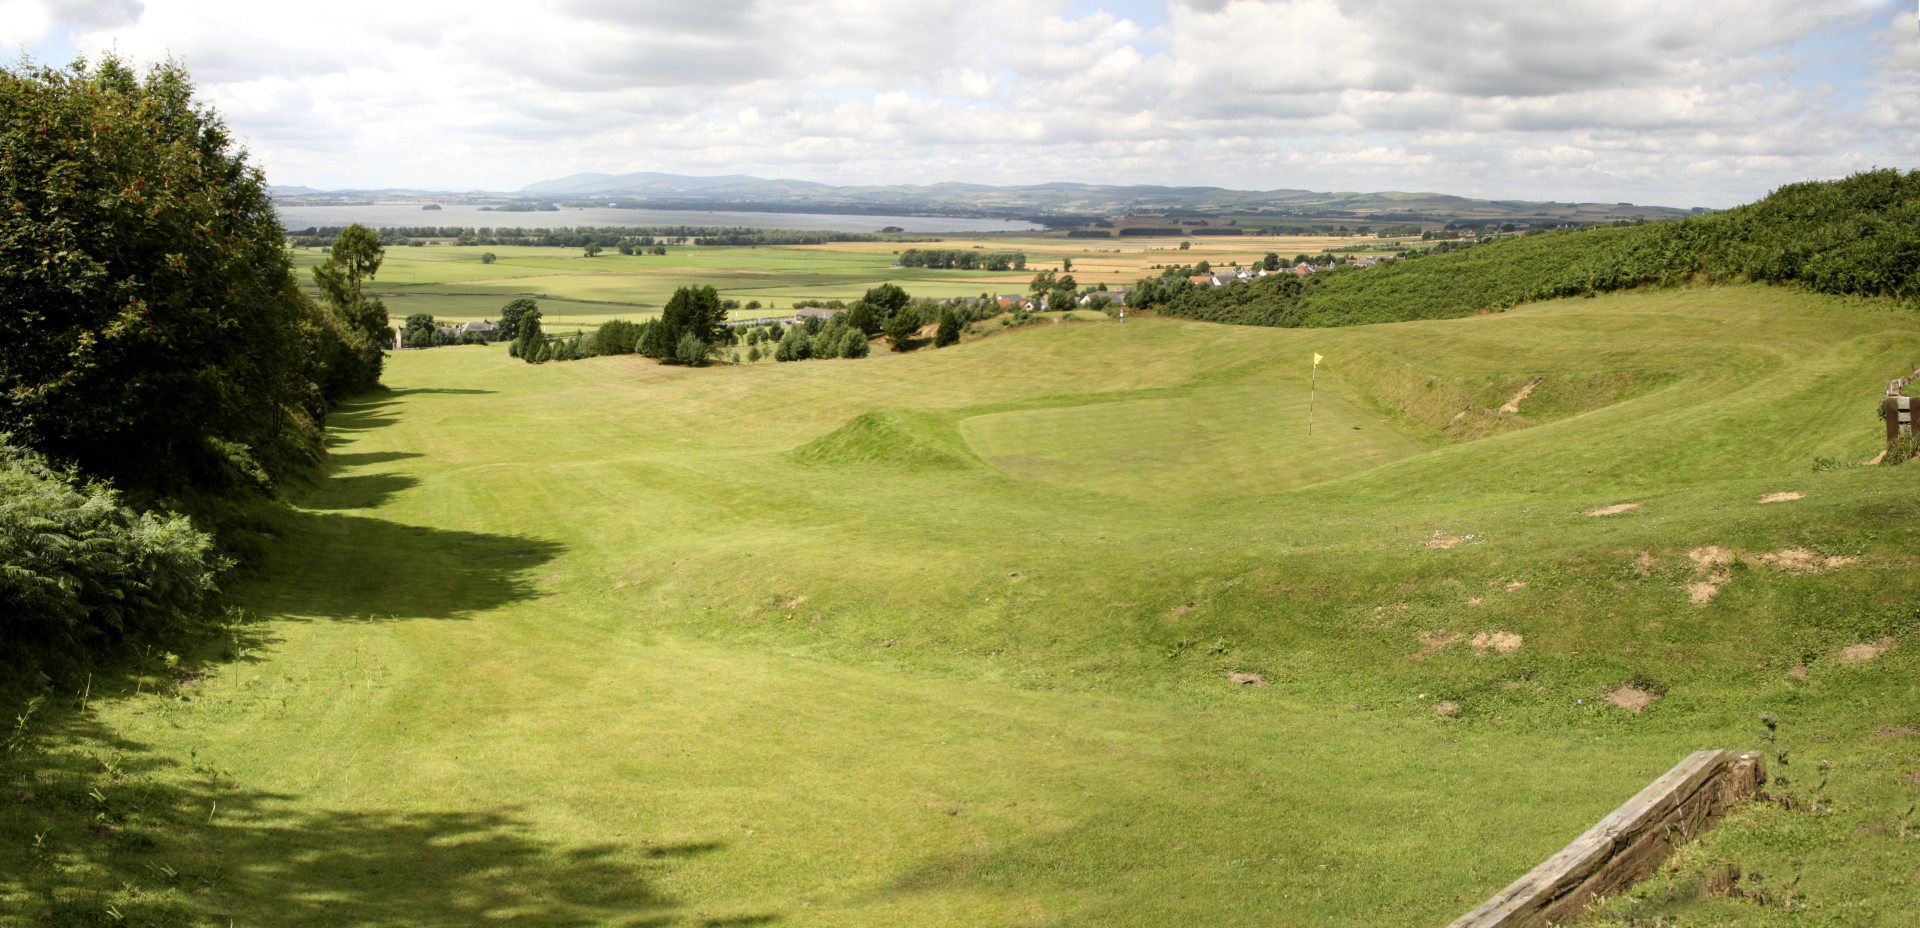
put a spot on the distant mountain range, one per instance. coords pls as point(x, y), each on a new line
point(1040, 201)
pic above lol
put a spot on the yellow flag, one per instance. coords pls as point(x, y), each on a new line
point(1316, 359)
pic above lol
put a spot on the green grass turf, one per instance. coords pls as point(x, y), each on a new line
point(942, 638)
point(452, 283)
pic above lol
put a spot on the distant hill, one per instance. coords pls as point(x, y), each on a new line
point(741, 190)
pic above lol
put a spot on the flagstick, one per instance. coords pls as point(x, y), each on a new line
point(1312, 393)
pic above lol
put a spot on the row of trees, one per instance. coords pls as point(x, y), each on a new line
point(964, 259)
point(580, 237)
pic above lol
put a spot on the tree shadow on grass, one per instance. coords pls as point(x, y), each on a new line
point(362, 458)
point(336, 566)
point(101, 830)
point(436, 391)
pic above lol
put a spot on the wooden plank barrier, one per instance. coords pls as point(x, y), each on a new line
point(1626, 845)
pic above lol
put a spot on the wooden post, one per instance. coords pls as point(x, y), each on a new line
point(1625, 845)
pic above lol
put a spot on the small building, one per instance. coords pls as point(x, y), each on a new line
point(485, 328)
point(821, 313)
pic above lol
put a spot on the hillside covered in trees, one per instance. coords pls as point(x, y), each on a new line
point(1857, 236)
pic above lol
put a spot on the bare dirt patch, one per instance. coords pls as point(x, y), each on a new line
point(1432, 643)
point(1798, 672)
point(1786, 497)
point(1632, 698)
point(1711, 571)
point(1516, 585)
point(1643, 563)
point(1447, 709)
point(1862, 653)
point(1442, 541)
point(795, 602)
point(1179, 610)
point(1496, 643)
point(1613, 510)
point(1899, 731)
point(1801, 561)
point(1513, 405)
point(1246, 679)
point(1475, 601)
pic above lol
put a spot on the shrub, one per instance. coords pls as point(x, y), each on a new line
point(78, 568)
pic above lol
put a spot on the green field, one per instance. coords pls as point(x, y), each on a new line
point(943, 638)
point(452, 284)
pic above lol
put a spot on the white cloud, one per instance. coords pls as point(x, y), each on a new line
point(1703, 103)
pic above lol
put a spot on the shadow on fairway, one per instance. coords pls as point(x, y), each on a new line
point(336, 462)
point(107, 831)
point(332, 565)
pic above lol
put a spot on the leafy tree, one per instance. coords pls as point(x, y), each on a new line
point(1271, 262)
point(862, 316)
point(753, 353)
point(854, 344)
point(794, 346)
point(1042, 282)
point(354, 257)
point(615, 336)
point(885, 300)
point(512, 313)
point(690, 350)
point(949, 331)
point(1066, 264)
point(695, 311)
point(1185, 246)
point(488, 257)
point(901, 327)
point(592, 249)
point(531, 341)
point(151, 326)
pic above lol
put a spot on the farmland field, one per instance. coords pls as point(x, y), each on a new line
point(451, 283)
point(944, 637)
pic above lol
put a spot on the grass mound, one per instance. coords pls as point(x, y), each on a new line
point(897, 438)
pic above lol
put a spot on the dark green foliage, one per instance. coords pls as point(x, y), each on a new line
point(531, 345)
point(949, 331)
point(794, 346)
point(1860, 235)
point(963, 259)
point(512, 313)
point(615, 336)
point(886, 299)
point(355, 257)
point(488, 257)
point(690, 349)
point(901, 328)
point(78, 568)
point(692, 311)
point(862, 317)
point(151, 327)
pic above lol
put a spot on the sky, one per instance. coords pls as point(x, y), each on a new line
point(1703, 103)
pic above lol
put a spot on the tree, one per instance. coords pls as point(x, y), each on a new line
point(531, 342)
point(154, 331)
point(592, 249)
point(901, 327)
point(488, 257)
point(1042, 282)
point(949, 331)
point(1066, 264)
point(1185, 246)
point(354, 257)
point(652, 340)
point(695, 311)
point(862, 316)
point(794, 346)
point(690, 350)
point(512, 313)
point(1271, 262)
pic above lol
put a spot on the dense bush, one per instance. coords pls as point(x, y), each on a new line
point(151, 329)
point(78, 568)
point(1860, 235)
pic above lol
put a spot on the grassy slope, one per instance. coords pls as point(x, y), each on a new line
point(606, 642)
